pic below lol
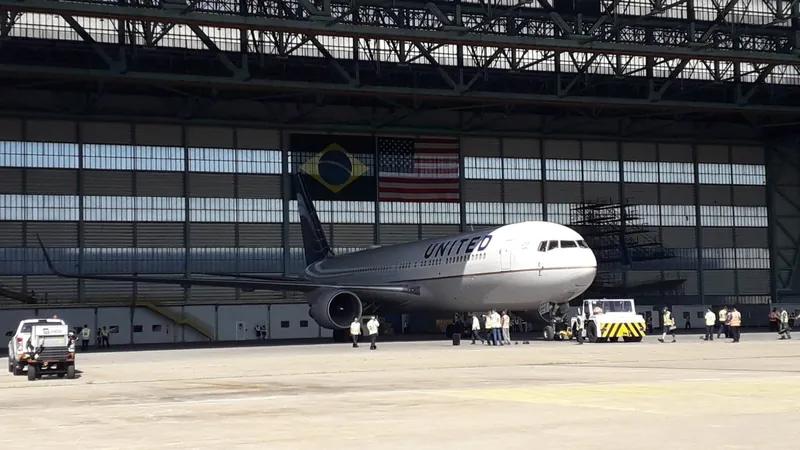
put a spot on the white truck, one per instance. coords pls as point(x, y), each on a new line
point(44, 346)
point(608, 320)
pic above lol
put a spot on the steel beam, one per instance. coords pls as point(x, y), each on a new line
point(524, 28)
point(254, 85)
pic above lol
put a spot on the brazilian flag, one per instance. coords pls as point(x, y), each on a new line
point(335, 167)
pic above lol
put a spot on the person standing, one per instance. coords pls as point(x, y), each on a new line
point(506, 327)
point(668, 323)
point(723, 320)
point(578, 328)
point(104, 337)
point(711, 320)
point(372, 329)
point(497, 322)
point(487, 323)
point(355, 331)
point(786, 331)
point(86, 333)
point(476, 329)
point(736, 325)
point(773, 321)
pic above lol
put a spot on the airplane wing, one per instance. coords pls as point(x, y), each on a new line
point(250, 283)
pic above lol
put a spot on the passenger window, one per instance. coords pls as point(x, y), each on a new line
point(568, 244)
point(543, 246)
point(582, 244)
point(551, 245)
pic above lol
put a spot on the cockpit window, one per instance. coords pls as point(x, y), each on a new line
point(582, 244)
point(551, 245)
point(568, 244)
point(543, 246)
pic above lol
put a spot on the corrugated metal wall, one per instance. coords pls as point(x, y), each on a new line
point(152, 198)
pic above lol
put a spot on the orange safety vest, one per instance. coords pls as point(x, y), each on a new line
point(736, 319)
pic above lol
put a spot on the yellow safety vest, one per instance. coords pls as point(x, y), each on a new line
point(736, 319)
point(723, 315)
point(668, 320)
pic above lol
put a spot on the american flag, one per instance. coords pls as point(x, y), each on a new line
point(421, 169)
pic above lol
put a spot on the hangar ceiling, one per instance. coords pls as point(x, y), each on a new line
point(693, 57)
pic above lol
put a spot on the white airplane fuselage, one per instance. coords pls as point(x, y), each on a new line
point(497, 268)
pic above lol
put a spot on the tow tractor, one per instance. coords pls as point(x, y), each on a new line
point(607, 320)
point(45, 347)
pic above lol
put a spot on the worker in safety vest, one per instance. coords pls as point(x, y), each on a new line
point(736, 325)
point(711, 320)
point(786, 331)
point(668, 323)
point(355, 331)
point(723, 318)
point(488, 323)
point(86, 333)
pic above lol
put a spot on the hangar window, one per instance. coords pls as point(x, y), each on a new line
point(676, 172)
point(439, 212)
point(108, 157)
point(285, 324)
point(489, 213)
point(39, 207)
point(521, 212)
point(156, 328)
point(163, 159)
point(39, 154)
point(522, 169)
point(483, 168)
point(137, 328)
point(303, 324)
point(563, 170)
point(259, 161)
point(601, 171)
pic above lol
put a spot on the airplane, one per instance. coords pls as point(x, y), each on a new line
point(532, 268)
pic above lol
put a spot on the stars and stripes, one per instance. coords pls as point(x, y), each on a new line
point(424, 169)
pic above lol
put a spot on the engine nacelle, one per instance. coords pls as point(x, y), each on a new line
point(334, 309)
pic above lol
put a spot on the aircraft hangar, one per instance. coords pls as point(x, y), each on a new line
point(160, 137)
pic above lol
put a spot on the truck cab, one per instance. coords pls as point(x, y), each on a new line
point(20, 345)
point(611, 319)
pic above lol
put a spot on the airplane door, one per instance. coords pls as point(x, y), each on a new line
point(505, 256)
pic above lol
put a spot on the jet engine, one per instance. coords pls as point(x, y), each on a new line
point(334, 309)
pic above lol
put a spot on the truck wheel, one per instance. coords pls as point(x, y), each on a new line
point(549, 333)
point(70, 372)
point(11, 365)
point(17, 369)
point(31, 372)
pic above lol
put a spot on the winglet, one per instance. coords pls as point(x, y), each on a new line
point(47, 257)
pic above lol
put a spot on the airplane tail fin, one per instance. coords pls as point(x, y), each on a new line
point(315, 244)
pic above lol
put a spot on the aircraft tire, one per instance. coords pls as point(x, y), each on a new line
point(549, 333)
point(70, 372)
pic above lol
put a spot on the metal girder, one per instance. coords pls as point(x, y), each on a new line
point(289, 85)
point(613, 31)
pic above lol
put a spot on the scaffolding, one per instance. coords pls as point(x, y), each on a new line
point(621, 242)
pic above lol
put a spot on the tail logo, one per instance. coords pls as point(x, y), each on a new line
point(334, 167)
